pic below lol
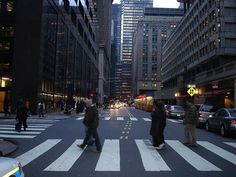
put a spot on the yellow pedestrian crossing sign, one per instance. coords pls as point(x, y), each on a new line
point(191, 91)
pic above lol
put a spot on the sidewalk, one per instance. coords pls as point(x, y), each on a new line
point(7, 147)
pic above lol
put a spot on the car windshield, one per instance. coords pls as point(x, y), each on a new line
point(179, 108)
point(232, 112)
point(207, 108)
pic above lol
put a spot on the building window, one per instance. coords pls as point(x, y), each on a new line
point(5, 46)
point(10, 6)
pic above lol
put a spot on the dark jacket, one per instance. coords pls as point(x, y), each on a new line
point(91, 117)
point(158, 122)
point(22, 113)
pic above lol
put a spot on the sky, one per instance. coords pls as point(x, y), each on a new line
point(160, 3)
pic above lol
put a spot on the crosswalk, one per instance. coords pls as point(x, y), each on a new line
point(34, 129)
point(151, 159)
point(119, 118)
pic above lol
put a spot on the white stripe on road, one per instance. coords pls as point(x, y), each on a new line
point(13, 128)
point(120, 118)
point(107, 118)
point(175, 121)
point(219, 151)
point(109, 159)
point(67, 159)
point(80, 118)
point(231, 144)
point(133, 118)
point(152, 161)
point(29, 126)
point(147, 119)
point(34, 153)
point(19, 133)
point(15, 136)
point(191, 157)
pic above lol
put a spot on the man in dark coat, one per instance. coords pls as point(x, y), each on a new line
point(158, 124)
point(21, 115)
point(91, 121)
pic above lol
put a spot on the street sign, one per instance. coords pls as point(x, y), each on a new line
point(191, 91)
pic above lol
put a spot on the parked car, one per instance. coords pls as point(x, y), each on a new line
point(204, 112)
point(224, 121)
point(175, 111)
point(10, 167)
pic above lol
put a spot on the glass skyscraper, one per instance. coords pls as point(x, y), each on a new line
point(132, 11)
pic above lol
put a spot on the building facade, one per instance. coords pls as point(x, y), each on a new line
point(132, 11)
point(104, 15)
point(151, 34)
point(48, 52)
point(202, 52)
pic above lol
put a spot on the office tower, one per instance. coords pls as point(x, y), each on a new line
point(132, 11)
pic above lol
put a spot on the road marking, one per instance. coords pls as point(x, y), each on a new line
point(231, 144)
point(120, 118)
point(219, 151)
point(107, 118)
point(109, 159)
point(147, 119)
point(67, 159)
point(80, 118)
point(29, 126)
point(133, 118)
point(191, 157)
point(19, 133)
point(175, 121)
point(13, 128)
point(16, 136)
point(34, 153)
point(152, 161)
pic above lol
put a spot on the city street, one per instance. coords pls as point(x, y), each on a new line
point(49, 148)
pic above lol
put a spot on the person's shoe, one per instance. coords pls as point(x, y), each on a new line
point(161, 146)
point(186, 143)
point(193, 145)
point(81, 146)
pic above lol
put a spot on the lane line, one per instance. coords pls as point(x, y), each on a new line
point(19, 133)
point(37, 151)
point(80, 118)
point(16, 136)
point(107, 118)
point(133, 119)
point(13, 128)
point(67, 159)
point(109, 159)
point(231, 144)
point(120, 118)
point(29, 126)
point(147, 119)
point(219, 151)
point(191, 157)
point(152, 160)
point(174, 121)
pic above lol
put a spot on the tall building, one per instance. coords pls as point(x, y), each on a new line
point(132, 11)
point(151, 34)
point(116, 32)
point(104, 14)
point(202, 52)
point(47, 51)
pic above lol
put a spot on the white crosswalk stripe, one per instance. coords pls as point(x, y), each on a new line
point(67, 159)
point(147, 119)
point(152, 161)
point(133, 119)
point(107, 118)
point(34, 153)
point(8, 131)
point(80, 118)
point(231, 144)
point(175, 121)
point(219, 151)
point(110, 157)
point(120, 118)
point(191, 157)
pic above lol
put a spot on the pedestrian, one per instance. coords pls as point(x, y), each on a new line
point(41, 108)
point(6, 107)
point(158, 125)
point(190, 121)
point(21, 115)
point(91, 121)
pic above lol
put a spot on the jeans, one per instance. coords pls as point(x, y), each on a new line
point(92, 131)
point(190, 130)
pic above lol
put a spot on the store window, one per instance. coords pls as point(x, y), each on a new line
point(10, 6)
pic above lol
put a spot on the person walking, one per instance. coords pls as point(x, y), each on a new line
point(41, 108)
point(190, 121)
point(21, 115)
point(91, 121)
point(158, 125)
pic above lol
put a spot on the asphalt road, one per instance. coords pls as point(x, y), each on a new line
point(49, 149)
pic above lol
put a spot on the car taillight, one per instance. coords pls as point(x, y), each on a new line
point(233, 122)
